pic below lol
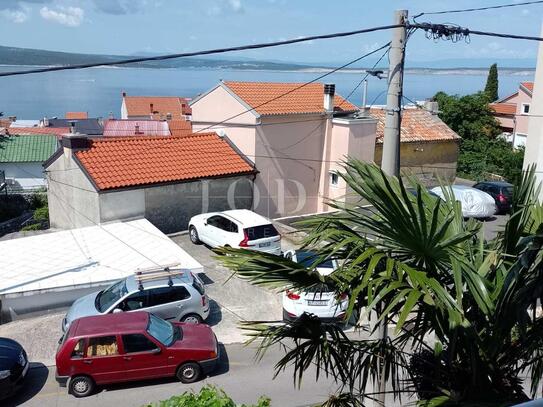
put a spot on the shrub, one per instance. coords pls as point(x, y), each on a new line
point(209, 396)
point(33, 226)
point(38, 200)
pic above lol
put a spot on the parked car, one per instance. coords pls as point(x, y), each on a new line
point(179, 297)
point(114, 348)
point(320, 300)
point(501, 191)
point(238, 228)
point(13, 367)
point(475, 203)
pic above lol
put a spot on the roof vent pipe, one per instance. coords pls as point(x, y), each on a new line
point(329, 92)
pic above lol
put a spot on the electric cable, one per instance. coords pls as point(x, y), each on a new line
point(467, 10)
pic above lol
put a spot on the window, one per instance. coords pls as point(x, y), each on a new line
point(137, 343)
point(163, 331)
point(102, 346)
point(525, 108)
point(215, 221)
point(79, 349)
point(135, 301)
point(223, 224)
point(110, 296)
point(165, 295)
point(198, 286)
point(261, 232)
point(334, 179)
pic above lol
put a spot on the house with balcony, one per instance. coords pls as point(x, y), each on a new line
point(512, 112)
point(296, 134)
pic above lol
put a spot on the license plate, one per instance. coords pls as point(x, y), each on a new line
point(317, 302)
point(264, 244)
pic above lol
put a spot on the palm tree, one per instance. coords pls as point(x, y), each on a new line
point(464, 310)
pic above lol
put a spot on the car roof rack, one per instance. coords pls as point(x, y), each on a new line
point(157, 273)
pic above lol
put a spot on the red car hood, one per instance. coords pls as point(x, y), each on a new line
point(196, 336)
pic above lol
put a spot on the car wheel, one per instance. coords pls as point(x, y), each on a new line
point(81, 386)
point(192, 319)
point(193, 235)
point(189, 372)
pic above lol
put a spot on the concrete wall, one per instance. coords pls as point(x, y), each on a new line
point(427, 160)
point(351, 138)
point(26, 175)
point(289, 150)
point(170, 207)
point(73, 201)
point(127, 204)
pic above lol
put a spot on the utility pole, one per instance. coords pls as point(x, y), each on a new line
point(391, 144)
point(390, 162)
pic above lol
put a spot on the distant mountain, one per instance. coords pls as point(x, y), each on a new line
point(28, 56)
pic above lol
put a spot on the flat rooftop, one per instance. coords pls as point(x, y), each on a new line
point(86, 257)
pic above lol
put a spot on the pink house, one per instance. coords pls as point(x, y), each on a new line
point(513, 112)
point(296, 135)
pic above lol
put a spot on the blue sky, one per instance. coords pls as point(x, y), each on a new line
point(163, 26)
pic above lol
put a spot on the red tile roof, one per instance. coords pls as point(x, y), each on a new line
point(126, 162)
point(129, 128)
point(161, 106)
point(57, 131)
point(418, 125)
point(180, 127)
point(504, 108)
point(529, 86)
point(76, 115)
point(308, 99)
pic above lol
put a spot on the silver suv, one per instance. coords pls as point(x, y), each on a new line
point(177, 295)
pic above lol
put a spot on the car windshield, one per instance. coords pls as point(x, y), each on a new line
point(105, 299)
point(308, 258)
point(261, 232)
point(163, 331)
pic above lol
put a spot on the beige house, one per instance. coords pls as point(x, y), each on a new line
point(513, 112)
point(428, 147)
point(297, 135)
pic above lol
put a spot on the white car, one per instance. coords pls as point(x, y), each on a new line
point(475, 203)
point(239, 228)
point(319, 301)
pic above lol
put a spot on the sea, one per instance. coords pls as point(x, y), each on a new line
point(98, 90)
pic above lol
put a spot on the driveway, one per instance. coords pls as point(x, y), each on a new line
point(232, 301)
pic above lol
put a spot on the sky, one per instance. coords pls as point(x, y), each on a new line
point(131, 27)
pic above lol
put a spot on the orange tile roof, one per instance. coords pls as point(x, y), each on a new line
point(180, 128)
point(504, 108)
point(57, 131)
point(528, 85)
point(308, 99)
point(418, 125)
point(162, 105)
point(133, 161)
point(76, 115)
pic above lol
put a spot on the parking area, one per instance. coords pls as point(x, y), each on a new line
point(232, 300)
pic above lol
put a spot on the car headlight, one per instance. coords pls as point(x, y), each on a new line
point(4, 374)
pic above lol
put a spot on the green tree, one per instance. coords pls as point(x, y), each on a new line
point(469, 115)
point(491, 88)
point(464, 309)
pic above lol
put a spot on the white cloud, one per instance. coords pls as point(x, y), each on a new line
point(68, 16)
point(235, 5)
point(225, 6)
point(15, 16)
point(525, 12)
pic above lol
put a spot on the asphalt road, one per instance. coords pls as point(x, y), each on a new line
point(243, 378)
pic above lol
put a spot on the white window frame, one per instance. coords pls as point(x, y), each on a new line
point(522, 111)
point(334, 178)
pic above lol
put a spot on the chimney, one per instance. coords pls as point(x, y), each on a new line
point(72, 128)
point(111, 116)
point(124, 94)
point(137, 129)
point(168, 116)
point(12, 118)
point(329, 91)
point(74, 142)
point(45, 122)
point(152, 108)
point(431, 106)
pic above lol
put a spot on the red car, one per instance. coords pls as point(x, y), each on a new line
point(121, 347)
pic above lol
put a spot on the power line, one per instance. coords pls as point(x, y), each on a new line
point(467, 10)
point(204, 52)
point(446, 31)
point(295, 89)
